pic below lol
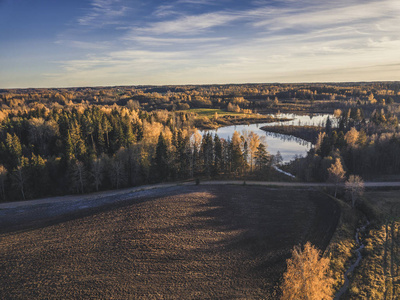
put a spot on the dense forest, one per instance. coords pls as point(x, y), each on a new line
point(88, 148)
point(368, 147)
point(58, 141)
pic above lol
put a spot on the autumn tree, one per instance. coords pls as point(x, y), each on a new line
point(254, 142)
point(336, 174)
point(14, 150)
point(351, 137)
point(306, 276)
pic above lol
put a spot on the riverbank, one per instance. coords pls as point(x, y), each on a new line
point(208, 123)
point(307, 133)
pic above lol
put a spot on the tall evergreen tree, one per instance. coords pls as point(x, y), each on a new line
point(160, 165)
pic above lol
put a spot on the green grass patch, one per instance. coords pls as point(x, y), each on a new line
point(210, 112)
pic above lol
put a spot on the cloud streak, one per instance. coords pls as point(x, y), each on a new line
point(266, 41)
point(103, 12)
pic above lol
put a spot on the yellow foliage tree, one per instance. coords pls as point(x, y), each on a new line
point(351, 137)
point(306, 275)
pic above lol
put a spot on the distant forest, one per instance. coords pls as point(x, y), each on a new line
point(76, 140)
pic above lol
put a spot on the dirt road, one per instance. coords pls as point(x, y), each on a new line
point(36, 213)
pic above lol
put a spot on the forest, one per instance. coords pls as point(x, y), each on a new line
point(78, 140)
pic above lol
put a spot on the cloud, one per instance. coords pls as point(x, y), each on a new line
point(159, 41)
point(190, 24)
point(103, 12)
point(200, 2)
point(281, 41)
point(326, 15)
point(84, 44)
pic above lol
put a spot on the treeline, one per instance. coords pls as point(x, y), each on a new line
point(294, 97)
point(87, 148)
point(366, 147)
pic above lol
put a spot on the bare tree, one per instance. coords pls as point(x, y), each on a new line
point(19, 176)
point(336, 174)
point(79, 176)
point(97, 172)
point(118, 170)
point(354, 188)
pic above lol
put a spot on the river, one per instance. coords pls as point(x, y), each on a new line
point(289, 146)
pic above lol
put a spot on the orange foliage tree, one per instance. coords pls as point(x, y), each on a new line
point(306, 275)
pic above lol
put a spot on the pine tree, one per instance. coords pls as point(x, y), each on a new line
point(236, 153)
point(160, 165)
point(3, 177)
point(218, 160)
point(261, 156)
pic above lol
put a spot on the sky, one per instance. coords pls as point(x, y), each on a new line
point(48, 43)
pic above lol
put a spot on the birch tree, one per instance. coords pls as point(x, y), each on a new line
point(336, 174)
point(97, 172)
point(79, 176)
point(306, 275)
point(354, 188)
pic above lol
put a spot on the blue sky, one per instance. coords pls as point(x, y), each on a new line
point(48, 43)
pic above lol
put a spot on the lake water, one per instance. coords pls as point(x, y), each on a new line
point(288, 145)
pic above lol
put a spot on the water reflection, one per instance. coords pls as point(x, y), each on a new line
point(287, 138)
point(289, 146)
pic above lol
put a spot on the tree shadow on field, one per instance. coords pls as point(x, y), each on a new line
point(254, 228)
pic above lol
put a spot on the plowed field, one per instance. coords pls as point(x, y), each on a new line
point(198, 242)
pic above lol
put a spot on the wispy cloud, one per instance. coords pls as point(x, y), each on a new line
point(103, 12)
point(325, 15)
point(190, 24)
point(158, 41)
point(84, 44)
point(268, 41)
point(201, 2)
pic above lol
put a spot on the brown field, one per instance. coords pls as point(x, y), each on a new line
point(198, 242)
